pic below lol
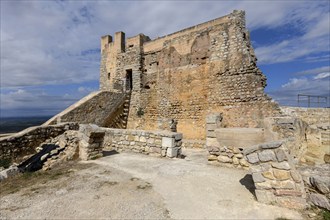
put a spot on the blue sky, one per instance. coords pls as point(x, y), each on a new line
point(50, 50)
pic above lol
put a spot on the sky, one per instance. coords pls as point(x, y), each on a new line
point(50, 50)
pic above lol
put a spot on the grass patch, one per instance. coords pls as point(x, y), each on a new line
point(325, 214)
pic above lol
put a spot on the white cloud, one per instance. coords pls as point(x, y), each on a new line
point(42, 41)
point(316, 86)
point(322, 75)
point(57, 42)
point(314, 71)
point(314, 23)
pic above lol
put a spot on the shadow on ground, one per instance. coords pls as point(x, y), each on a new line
point(109, 153)
point(247, 181)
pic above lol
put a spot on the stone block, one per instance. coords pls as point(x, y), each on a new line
point(296, 176)
point(239, 156)
point(322, 184)
point(285, 120)
point(268, 175)
point(281, 174)
point(143, 139)
point(281, 192)
point(168, 142)
point(291, 202)
point(282, 165)
point(212, 158)
point(244, 163)
point(211, 127)
point(265, 196)
point(224, 159)
point(212, 142)
point(211, 134)
point(271, 145)
point(213, 119)
point(250, 150)
point(235, 161)
point(263, 185)
point(286, 184)
point(280, 155)
point(267, 155)
point(258, 178)
point(252, 158)
point(319, 200)
point(172, 152)
point(178, 136)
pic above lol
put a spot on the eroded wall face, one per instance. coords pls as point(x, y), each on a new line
point(207, 69)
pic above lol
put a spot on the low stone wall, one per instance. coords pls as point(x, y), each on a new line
point(90, 142)
point(15, 147)
point(310, 115)
point(157, 143)
point(228, 156)
point(274, 175)
point(96, 108)
point(187, 143)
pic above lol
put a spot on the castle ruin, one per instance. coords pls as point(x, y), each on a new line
point(198, 87)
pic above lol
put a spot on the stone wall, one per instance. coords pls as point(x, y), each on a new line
point(24, 143)
point(311, 116)
point(157, 143)
point(184, 76)
point(229, 156)
point(188, 143)
point(274, 175)
point(90, 142)
point(97, 108)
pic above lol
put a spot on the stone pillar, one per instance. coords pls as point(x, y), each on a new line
point(213, 121)
point(172, 145)
point(91, 142)
point(274, 175)
point(119, 43)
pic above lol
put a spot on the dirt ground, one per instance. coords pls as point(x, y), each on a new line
point(134, 186)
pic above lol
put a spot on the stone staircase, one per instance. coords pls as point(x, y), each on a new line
point(120, 117)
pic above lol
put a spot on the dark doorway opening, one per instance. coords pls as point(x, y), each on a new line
point(129, 80)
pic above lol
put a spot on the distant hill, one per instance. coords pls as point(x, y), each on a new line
point(16, 124)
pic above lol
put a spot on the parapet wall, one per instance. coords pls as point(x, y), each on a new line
point(24, 143)
point(96, 108)
point(157, 143)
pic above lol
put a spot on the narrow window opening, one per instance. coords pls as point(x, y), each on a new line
point(129, 80)
point(109, 76)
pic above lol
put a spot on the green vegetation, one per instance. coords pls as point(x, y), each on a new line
point(326, 214)
point(140, 112)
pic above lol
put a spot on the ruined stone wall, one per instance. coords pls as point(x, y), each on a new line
point(96, 108)
point(311, 116)
point(186, 75)
point(275, 177)
point(24, 143)
point(157, 143)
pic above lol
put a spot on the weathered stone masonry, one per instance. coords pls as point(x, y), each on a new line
point(207, 68)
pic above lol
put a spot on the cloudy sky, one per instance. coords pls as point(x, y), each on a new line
point(50, 50)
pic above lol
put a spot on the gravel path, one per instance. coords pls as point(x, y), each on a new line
point(134, 186)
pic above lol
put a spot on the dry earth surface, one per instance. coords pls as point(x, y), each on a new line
point(134, 186)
